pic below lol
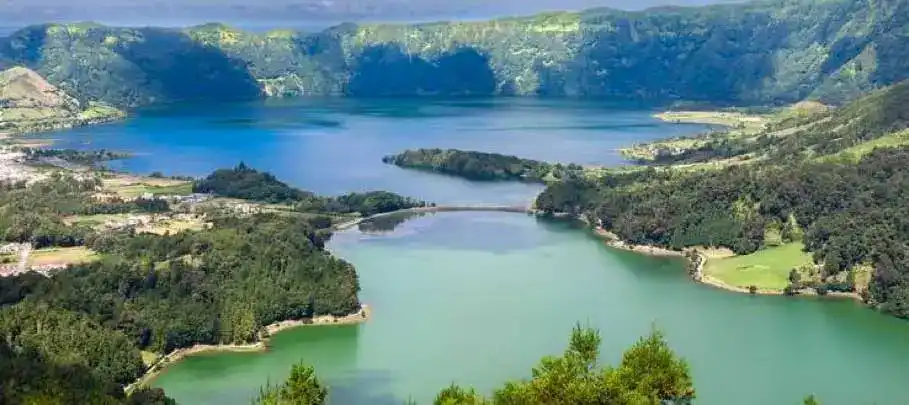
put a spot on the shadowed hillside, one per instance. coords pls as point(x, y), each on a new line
point(763, 52)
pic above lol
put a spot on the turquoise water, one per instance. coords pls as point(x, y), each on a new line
point(478, 298)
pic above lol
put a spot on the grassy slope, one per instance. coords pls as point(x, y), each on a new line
point(854, 153)
point(128, 187)
point(766, 269)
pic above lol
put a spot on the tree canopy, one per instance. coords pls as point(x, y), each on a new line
point(649, 373)
point(482, 166)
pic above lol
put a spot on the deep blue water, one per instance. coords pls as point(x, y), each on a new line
point(333, 146)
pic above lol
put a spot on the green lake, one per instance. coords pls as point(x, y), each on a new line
point(479, 298)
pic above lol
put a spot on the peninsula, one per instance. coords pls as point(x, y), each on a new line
point(482, 166)
point(801, 203)
point(222, 268)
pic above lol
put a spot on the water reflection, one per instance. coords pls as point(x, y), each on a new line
point(387, 223)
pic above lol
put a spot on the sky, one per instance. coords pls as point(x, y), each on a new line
point(275, 13)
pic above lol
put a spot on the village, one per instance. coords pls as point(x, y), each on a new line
point(188, 210)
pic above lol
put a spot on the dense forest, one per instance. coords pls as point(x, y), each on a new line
point(35, 214)
point(156, 293)
point(848, 214)
point(760, 52)
point(160, 293)
point(482, 166)
point(30, 377)
point(838, 181)
point(247, 183)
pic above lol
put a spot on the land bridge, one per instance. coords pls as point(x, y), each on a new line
point(442, 208)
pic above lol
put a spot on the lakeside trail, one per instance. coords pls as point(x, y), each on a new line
point(261, 345)
point(700, 261)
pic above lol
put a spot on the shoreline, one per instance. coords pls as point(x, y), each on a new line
point(710, 117)
point(260, 346)
point(612, 240)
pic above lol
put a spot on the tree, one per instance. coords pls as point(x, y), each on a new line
point(301, 388)
point(811, 400)
point(649, 374)
point(455, 395)
point(794, 277)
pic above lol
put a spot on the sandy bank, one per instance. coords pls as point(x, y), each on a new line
point(357, 317)
point(614, 241)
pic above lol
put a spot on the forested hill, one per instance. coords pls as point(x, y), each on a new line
point(839, 184)
point(777, 51)
point(246, 183)
point(482, 166)
point(76, 337)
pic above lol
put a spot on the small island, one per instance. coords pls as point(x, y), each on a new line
point(483, 166)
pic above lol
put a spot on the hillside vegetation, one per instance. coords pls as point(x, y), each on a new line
point(849, 209)
point(776, 51)
point(482, 166)
point(76, 337)
point(28, 103)
point(246, 183)
point(877, 119)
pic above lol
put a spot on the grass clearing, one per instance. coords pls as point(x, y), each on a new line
point(96, 220)
point(132, 186)
point(137, 190)
point(149, 358)
point(173, 226)
point(767, 269)
point(61, 256)
point(750, 122)
point(855, 153)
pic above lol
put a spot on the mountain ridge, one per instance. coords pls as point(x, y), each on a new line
point(756, 53)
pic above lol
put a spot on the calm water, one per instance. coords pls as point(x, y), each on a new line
point(478, 298)
point(336, 146)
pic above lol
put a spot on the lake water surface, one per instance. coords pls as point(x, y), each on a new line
point(478, 298)
point(333, 146)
